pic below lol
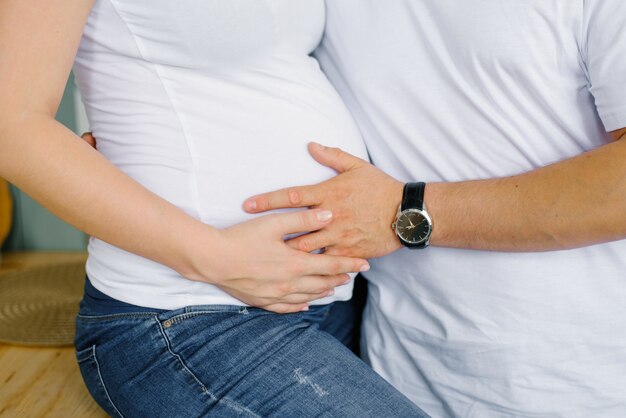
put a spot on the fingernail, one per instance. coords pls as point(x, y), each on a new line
point(306, 308)
point(348, 281)
point(330, 292)
point(250, 204)
point(324, 215)
point(366, 267)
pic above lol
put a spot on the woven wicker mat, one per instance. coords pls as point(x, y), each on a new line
point(38, 306)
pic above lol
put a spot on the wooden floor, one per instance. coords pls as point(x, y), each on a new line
point(43, 382)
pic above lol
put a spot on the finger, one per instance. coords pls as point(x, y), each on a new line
point(334, 158)
point(337, 250)
point(323, 264)
point(316, 285)
point(304, 298)
point(297, 296)
point(298, 302)
point(293, 197)
point(89, 138)
point(285, 308)
point(301, 221)
point(311, 242)
point(304, 289)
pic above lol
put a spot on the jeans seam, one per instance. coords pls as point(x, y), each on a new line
point(106, 392)
point(187, 315)
point(108, 317)
point(232, 404)
point(80, 354)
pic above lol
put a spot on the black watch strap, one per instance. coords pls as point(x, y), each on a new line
point(413, 196)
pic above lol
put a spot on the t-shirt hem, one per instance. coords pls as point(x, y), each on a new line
point(614, 120)
point(173, 302)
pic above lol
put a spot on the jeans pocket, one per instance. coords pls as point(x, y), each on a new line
point(90, 370)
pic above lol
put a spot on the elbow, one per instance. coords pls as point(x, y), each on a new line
point(5, 151)
point(15, 124)
point(14, 129)
point(7, 124)
point(10, 122)
point(14, 117)
point(6, 121)
point(20, 137)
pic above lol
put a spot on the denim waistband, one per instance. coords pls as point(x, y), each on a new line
point(96, 304)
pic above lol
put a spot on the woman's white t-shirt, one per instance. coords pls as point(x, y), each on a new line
point(205, 103)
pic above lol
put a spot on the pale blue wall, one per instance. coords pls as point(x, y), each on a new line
point(35, 228)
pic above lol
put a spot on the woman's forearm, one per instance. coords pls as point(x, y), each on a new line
point(71, 179)
point(52, 164)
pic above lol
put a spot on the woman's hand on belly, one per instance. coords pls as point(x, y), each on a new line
point(252, 262)
point(363, 199)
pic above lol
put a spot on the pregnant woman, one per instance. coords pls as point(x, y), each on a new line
point(196, 105)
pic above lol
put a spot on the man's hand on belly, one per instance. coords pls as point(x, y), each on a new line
point(363, 200)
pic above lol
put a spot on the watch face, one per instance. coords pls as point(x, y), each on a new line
point(413, 227)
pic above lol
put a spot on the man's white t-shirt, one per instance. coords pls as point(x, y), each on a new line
point(456, 90)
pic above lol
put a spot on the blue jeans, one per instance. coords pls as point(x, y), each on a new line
point(228, 361)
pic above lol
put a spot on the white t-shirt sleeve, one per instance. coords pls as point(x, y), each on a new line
point(604, 54)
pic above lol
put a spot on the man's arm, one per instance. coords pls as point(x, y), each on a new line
point(573, 203)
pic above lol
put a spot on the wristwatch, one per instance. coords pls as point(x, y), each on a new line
point(413, 224)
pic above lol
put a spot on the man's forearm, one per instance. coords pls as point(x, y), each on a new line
point(576, 202)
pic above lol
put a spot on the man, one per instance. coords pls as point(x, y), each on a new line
point(513, 114)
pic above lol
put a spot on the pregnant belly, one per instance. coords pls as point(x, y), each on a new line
point(206, 142)
point(209, 165)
